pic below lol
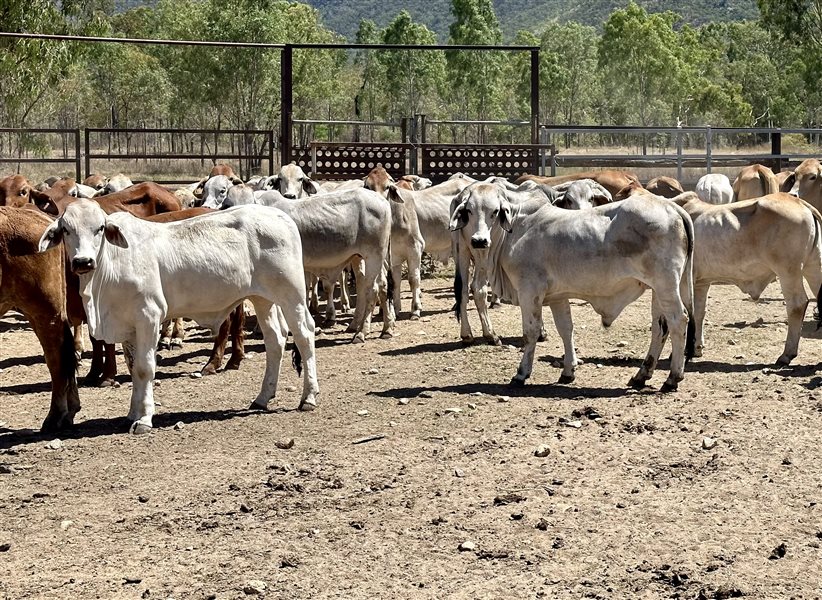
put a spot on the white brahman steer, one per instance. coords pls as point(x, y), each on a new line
point(750, 243)
point(134, 274)
point(116, 184)
point(337, 228)
point(293, 183)
point(715, 188)
point(579, 194)
point(608, 256)
point(224, 192)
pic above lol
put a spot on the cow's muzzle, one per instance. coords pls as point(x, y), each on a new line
point(290, 196)
point(480, 242)
point(82, 265)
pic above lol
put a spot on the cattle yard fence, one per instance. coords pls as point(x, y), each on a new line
point(166, 155)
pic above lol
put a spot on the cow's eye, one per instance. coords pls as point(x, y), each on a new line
point(23, 192)
point(813, 177)
point(101, 229)
point(494, 214)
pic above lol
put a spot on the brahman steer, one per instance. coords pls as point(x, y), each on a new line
point(134, 274)
point(806, 183)
point(224, 192)
point(536, 255)
point(611, 180)
point(293, 183)
point(338, 227)
point(579, 194)
point(715, 188)
point(35, 285)
point(748, 244)
point(117, 183)
point(667, 187)
point(754, 181)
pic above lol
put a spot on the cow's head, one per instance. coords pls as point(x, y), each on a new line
point(581, 194)
point(15, 190)
point(216, 191)
point(478, 208)
point(415, 182)
point(83, 228)
point(806, 182)
point(221, 170)
point(293, 183)
point(378, 180)
point(96, 181)
point(116, 184)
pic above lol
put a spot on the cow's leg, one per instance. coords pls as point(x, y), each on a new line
point(109, 365)
point(215, 361)
point(396, 273)
point(414, 262)
point(565, 328)
point(311, 287)
point(461, 292)
point(531, 325)
point(345, 297)
point(700, 309)
point(165, 335)
point(142, 375)
point(237, 319)
point(373, 270)
point(330, 309)
point(386, 307)
point(301, 326)
point(676, 316)
point(103, 365)
point(796, 302)
point(178, 333)
point(479, 288)
point(359, 310)
point(79, 341)
point(659, 333)
point(274, 339)
point(58, 349)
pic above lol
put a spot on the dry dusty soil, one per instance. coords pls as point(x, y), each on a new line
point(628, 504)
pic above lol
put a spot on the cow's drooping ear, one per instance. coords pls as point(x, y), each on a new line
point(51, 237)
point(459, 219)
point(601, 195)
point(273, 183)
point(505, 217)
point(310, 186)
point(562, 201)
point(392, 192)
point(44, 202)
point(235, 180)
point(788, 184)
point(114, 236)
point(200, 189)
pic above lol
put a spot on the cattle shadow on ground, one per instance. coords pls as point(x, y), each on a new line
point(427, 347)
point(25, 388)
point(758, 324)
point(556, 391)
point(101, 427)
point(22, 361)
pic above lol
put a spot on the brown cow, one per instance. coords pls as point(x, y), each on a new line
point(142, 200)
point(15, 191)
point(667, 187)
point(96, 181)
point(611, 180)
point(35, 285)
point(806, 183)
point(754, 181)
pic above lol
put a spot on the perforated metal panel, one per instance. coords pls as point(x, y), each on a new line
point(338, 161)
point(440, 161)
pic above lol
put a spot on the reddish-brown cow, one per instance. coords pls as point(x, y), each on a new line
point(34, 284)
point(611, 180)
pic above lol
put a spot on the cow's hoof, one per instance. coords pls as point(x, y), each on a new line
point(209, 370)
point(176, 343)
point(542, 337)
point(330, 322)
point(784, 360)
point(359, 338)
point(165, 344)
point(516, 381)
point(698, 352)
point(55, 423)
point(468, 340)
point(108, 382)
point(308, 404)
point(233, 365)
point(669, 387)
point(138, 428)
point(567, 378)
point(414, 316)
point(255, 406)
point(387, 335)
point(637, 383)
point(494, 341)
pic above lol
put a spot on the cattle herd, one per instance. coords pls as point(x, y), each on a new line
point(133, 260)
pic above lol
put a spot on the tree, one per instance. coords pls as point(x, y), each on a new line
point(475, 76)
point(411, 76)
point(797, 20)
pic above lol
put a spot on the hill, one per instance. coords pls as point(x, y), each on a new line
point(344, 15)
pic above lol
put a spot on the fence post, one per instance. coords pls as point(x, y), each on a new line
point(314, 159)
point(679, 152)
point(543, 139)
point(77, 156)
point(286, 104)
point(270, 152)
point(776, 149)
point(708, 147)
point(88, 153)
point(553, 160)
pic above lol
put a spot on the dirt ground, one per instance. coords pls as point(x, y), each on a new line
point(628, 504)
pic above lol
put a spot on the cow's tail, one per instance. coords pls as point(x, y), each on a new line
point(68, 355)
point(297, 360)
point(389, 276)
point(768, 181)
point(458, 282)
point(817, 250)
point(686, 286)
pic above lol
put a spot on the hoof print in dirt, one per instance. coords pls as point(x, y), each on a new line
point(778, 552)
